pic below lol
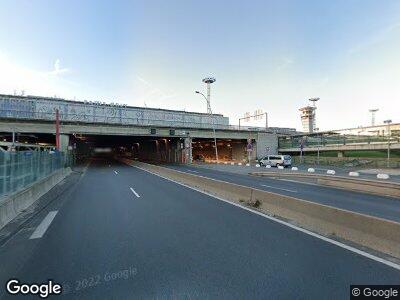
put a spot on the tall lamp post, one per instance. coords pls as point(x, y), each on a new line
point(388, 148)
point(314, 121)
point(208, 81)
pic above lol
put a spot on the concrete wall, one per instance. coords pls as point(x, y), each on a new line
point(100, 129)
point(41, 108)
point(12, 205)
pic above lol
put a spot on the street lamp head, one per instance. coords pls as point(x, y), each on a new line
point(387, 121)
point(209, 80)
point(197, 92)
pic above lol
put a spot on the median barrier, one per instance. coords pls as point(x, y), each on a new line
point(382, 176)
point(354, 174)
point(12, 205)
point(360, 185)
point(376, 233)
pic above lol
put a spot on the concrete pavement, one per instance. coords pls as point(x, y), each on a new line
point(105, 242)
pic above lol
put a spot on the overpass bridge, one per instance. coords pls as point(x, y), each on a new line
point(335, 142)
point(97, 122)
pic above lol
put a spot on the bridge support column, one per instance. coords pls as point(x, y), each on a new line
point(266, 144)
point(188, 150)
point(64, 142)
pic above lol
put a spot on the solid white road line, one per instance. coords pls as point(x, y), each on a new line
point(193, 171)
point(136, 194)
point(316, 235)
point(41, 229)
point(295, 181)
point(116, 173)
point(273, 187)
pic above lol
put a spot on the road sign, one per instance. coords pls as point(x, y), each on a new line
point(249, 147)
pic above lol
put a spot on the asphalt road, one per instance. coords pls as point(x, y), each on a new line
point(378, 206)
point(340, 171)
point(123, 233)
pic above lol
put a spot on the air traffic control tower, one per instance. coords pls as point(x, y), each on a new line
point(308, 118)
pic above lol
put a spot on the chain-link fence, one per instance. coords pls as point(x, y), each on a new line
point(19, 169)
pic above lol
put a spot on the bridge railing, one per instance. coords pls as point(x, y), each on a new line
point(332, 140)
point(19, 169)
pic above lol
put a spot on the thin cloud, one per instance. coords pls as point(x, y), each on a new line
point(13, 77)
point(57, 69)
point(154, 94)
point(376, 38)
point(285, 64)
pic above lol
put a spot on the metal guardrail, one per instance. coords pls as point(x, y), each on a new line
point(121, 120)
point(19, 169)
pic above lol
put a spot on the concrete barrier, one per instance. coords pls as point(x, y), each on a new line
point(382, 176)
point(375, 233)
point(12, 205)
point(330, 172)
point(354, 174)
point(375, 187)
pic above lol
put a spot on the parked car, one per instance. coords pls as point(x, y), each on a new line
point(276, 160)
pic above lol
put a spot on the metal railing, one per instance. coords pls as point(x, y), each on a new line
point(19, 169)
point(322, 141)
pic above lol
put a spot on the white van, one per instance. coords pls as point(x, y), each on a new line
point(276, 160)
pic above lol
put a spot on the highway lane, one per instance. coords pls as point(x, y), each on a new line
point(378, 206)
point(340, 171)
point(105, 242)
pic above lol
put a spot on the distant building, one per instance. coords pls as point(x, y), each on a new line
point(308, 118)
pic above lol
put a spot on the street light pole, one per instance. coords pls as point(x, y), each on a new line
point(208, 81)
point(388, 147)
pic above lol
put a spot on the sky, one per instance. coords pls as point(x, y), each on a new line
point(269, 55)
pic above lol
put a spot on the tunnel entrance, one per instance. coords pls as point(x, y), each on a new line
point(168, 149)
point(228, 150)
point(144, 148)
